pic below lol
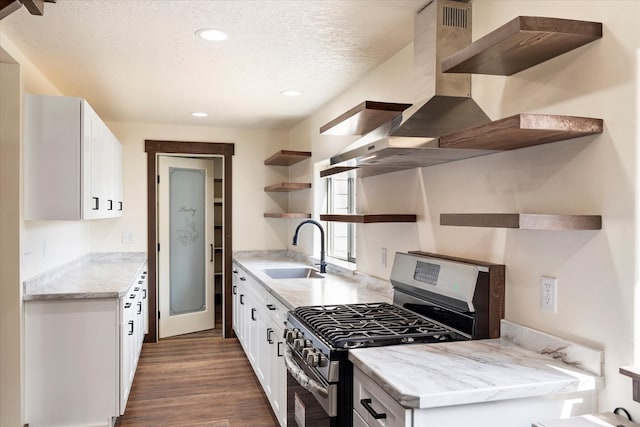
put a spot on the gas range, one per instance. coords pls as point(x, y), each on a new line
point(436, 299)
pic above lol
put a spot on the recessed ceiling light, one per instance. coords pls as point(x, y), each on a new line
point(291, 92)
point(212, 34)
point(199, 114)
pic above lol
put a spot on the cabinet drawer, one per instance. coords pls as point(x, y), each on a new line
point(375, 406)
point(276, 310)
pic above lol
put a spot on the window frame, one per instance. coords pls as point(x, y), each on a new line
point(330, 225)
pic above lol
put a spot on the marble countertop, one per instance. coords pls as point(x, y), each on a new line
point(445, 374)
point(337, 287)
point(523, 363)
point(98, 275)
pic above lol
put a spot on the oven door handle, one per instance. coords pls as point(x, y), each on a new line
point(302, 378)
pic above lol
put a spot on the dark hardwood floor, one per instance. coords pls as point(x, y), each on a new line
point(196, 380)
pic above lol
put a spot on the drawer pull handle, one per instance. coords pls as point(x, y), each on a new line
point(235, 290)
point(253, 314)
point(279, 352)
point(243, 279)
point(130, 330)
point(271, 307)
point(242, 299)
point(144, 294)
point(367, 405)
point(269, 332)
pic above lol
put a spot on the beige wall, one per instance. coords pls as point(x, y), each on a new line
point(250, 229)
point(592, 175)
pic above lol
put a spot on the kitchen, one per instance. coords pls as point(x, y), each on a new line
point(596, 269)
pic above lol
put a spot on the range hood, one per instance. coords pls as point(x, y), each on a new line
point(441, 28)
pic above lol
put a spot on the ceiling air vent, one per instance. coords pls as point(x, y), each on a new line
point(454, 17)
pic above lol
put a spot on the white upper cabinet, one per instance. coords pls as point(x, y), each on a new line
point(73, 163)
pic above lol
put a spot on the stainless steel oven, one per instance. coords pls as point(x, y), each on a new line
point(436, 299)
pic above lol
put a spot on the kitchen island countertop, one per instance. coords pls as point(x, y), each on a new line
point(477, 371)
point(96, 275)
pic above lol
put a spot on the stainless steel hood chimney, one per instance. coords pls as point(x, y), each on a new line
point(441, 28)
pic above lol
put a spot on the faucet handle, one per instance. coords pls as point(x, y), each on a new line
point(323, 266)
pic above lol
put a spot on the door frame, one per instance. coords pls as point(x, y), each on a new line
point(153, 148)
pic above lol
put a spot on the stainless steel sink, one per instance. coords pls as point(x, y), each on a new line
point(293, 273)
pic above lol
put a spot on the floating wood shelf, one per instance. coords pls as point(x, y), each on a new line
point(522, 130)
point(370, 218)
point(287, 158)
point(287, 186)
point(523, 221)
point(287, 215)
point(634, 373)
point(521, 43)
point(363, 118)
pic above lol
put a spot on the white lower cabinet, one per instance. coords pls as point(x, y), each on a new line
point(374, 407)
point(258, 320)
point(81, 356)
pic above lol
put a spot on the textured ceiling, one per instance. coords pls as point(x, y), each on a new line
point(139, 60)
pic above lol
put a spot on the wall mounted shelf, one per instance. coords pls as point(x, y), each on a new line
point(287, 215)
point(287, 158)
point(522, 130)
point(521, 43)
point(634, 373)
point(363, 118)
point(369, 218)
point(336, 170)
point(287, 186)
point(523, 221)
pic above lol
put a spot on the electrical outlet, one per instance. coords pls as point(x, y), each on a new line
point(549, 294)
point(127, 237)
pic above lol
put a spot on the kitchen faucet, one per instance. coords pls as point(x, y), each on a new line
point(323, 262)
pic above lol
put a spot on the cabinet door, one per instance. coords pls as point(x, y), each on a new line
point(277, 373)
point(258, 350)
point(144, 283)
point(71, 361)
point(52, 158)
point(93, 202)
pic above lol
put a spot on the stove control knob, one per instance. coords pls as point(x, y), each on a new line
point(323, 361)
point(306, 352)
point(313, 359)
point(308, 344)
point(298, 344)
point(291, 334)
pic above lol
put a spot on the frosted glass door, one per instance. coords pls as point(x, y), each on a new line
point(187, 231)
point(185, 218)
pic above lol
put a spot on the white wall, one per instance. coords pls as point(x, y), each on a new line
point(591, 175)
point(45, 244)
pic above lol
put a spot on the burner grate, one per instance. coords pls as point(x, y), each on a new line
point(356, 325)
